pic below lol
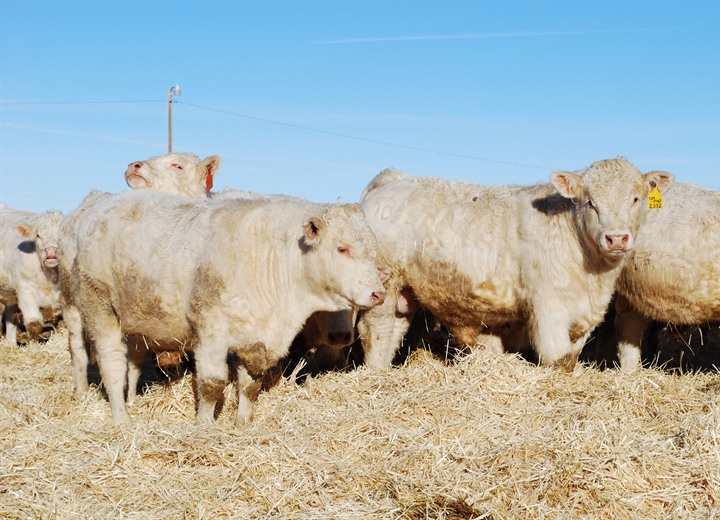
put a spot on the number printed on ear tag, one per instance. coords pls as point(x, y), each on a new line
point(655, 199)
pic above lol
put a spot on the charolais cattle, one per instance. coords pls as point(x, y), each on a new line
point(325, 333)
point(481, 258)
point(173, 173)
point(215, 276)
point(673, 272)
point(28, 269)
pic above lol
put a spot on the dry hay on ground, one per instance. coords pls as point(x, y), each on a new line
point(487, 437)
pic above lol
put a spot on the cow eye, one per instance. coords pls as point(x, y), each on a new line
point(591, 205)
point(343, 250)
point(175, 165)
point(636, 200)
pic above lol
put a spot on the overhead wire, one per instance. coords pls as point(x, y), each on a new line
point(365, 139)
point(297, 127)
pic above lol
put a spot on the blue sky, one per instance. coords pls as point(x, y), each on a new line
point(315, 98)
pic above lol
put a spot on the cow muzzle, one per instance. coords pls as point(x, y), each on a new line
point(134, 176)
point(378, 297)
point(50, 257)
point(617, 243)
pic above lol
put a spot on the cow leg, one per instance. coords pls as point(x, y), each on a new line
point(211, 372)
point(248, 391)
point(137, 354)
point(254, 363)
point(32, 317)
point(78, 352)
point(381, 330)
point(9, 315)
point(630, 327)
point(113, 360)
point(99, 319)
point(577, 348)
point(549, 328)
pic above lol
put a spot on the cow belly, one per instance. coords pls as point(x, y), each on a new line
point(458, 300)
point(163, 328)
point(152, 315)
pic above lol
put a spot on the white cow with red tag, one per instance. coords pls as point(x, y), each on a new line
point(174, 173)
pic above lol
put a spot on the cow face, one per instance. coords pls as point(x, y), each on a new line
point(44, 233)
point(609, 198)
point(177, 173)
point(345, 252)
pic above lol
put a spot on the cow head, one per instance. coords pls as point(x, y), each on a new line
point(346, 250)
point(176, 173)
point(44, 233)
point(609, 197)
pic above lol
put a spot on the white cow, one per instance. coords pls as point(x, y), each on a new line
point(175, 173)
point(328, 333)
point(28, 269)
point(215, 276)
point(482, 259)
point(673, 272)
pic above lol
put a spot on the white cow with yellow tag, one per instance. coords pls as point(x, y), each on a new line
point(485, 258)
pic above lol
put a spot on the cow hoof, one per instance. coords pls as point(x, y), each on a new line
point(567, 362)
point(34, 329)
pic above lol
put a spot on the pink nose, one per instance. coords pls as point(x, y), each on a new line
point(51, 252)
point(617, 242)
point(378, 297)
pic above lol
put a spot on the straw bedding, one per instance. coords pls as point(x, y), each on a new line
point(484, 437)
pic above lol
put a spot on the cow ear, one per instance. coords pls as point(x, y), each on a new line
point(659, 179)
point(568, 184)
point(312, 230)
point(210, 165)
point(26, 230)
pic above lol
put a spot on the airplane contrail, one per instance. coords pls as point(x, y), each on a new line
point(78, 134)
point(512, 34)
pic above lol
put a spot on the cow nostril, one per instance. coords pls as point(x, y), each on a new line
point(137, 165)
point(617, 241)
point(378, 297)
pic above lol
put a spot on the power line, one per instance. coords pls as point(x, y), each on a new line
point(364, 139)
point(16, 103)
point(290, 125)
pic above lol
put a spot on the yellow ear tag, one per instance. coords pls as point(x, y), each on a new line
point(655, 199)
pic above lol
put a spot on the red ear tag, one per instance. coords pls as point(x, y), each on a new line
point(208, 182)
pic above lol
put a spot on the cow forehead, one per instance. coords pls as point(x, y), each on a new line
point(347, 222)
point(49, 221)
point(611, 178)
point(181, 158)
